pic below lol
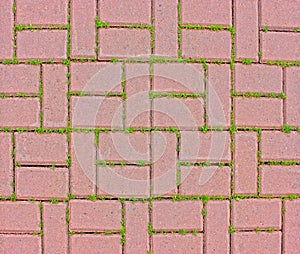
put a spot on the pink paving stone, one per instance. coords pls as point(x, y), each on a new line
point(136, 221)
point(245, 163)
point(120, 146)
point(258, 112)
point(83, 168)
point(108, 244)
point(206, 12)
point(253, 242)
point(43, 149)
point(165, 24)
point(6, 165)
point(42, 44)
point(212, 181)
point(96, 78)
point(292, 104)
point(216, 237)
point(206, 44)
point(95, 216)
point(19, 79)
point(280, 146)
point(124, 43)
point(178, 78)
point(42, 183)
point(212, 146)
point(55, 228)
point(218, 104)
point(278, 15)
point(250, 214)
point(246, 25)
point(127, 181)
point(6, 29)
point(170, 215)
point(55, 101)
point(96, 111)
point(183, 113)
point(177, 244)
point(291, 227)
point(20, 112)
point(282, 46)
point(42, 12)
point(280, 180)
point(257, 78)
point(164, 163)
point(137, 89)
point(83, 32)
point(29, 244)
point(125, 12)
point(27, 214)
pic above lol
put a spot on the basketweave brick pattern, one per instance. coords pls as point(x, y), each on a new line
point(155, 127)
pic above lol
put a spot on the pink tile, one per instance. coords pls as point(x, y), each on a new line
point(6, 29)
point(31, 244)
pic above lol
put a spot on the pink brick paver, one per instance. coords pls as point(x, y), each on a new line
point(19, 79)
point(149, 126)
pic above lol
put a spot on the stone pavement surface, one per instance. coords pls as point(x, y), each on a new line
point(149, 126)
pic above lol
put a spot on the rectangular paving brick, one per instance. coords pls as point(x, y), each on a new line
point(250, 214)
point(280, 180)
point(182, 113)
point(258, 112)
point(245, 162)
point(6, 29)
point(218, 103)
point(246, 27)
point(96, 112)
point(43, 149)
point(83, 168)
point(291, 227)
point(6, 165)
point(274, 14)
point(206, 44)
point(292, 104)
point(198, 181)
point(20, 112)
point(164, 163)
point(42, 183)
point(212, 146)
point(125, 12)
point(176, 244)
point(94, 216)
point(124, 181)
point(21, 78)
point(55, 101)
point(11, 243)
point(216, 237)
point(91, 244)
point(42, 45)
point(55, 237)
point(19, 217)
point(272, 50)
point(120, 146)
point(206, 12)
point(96, 78)
point(41, 12)
point(123, 43)
point(137, 87)
point(178, 78)
point(83, 31)
point(280, 146)
point(253, 242)
point(165, 24)
point(257, 78)
point(169, 215)
point(136, 223)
